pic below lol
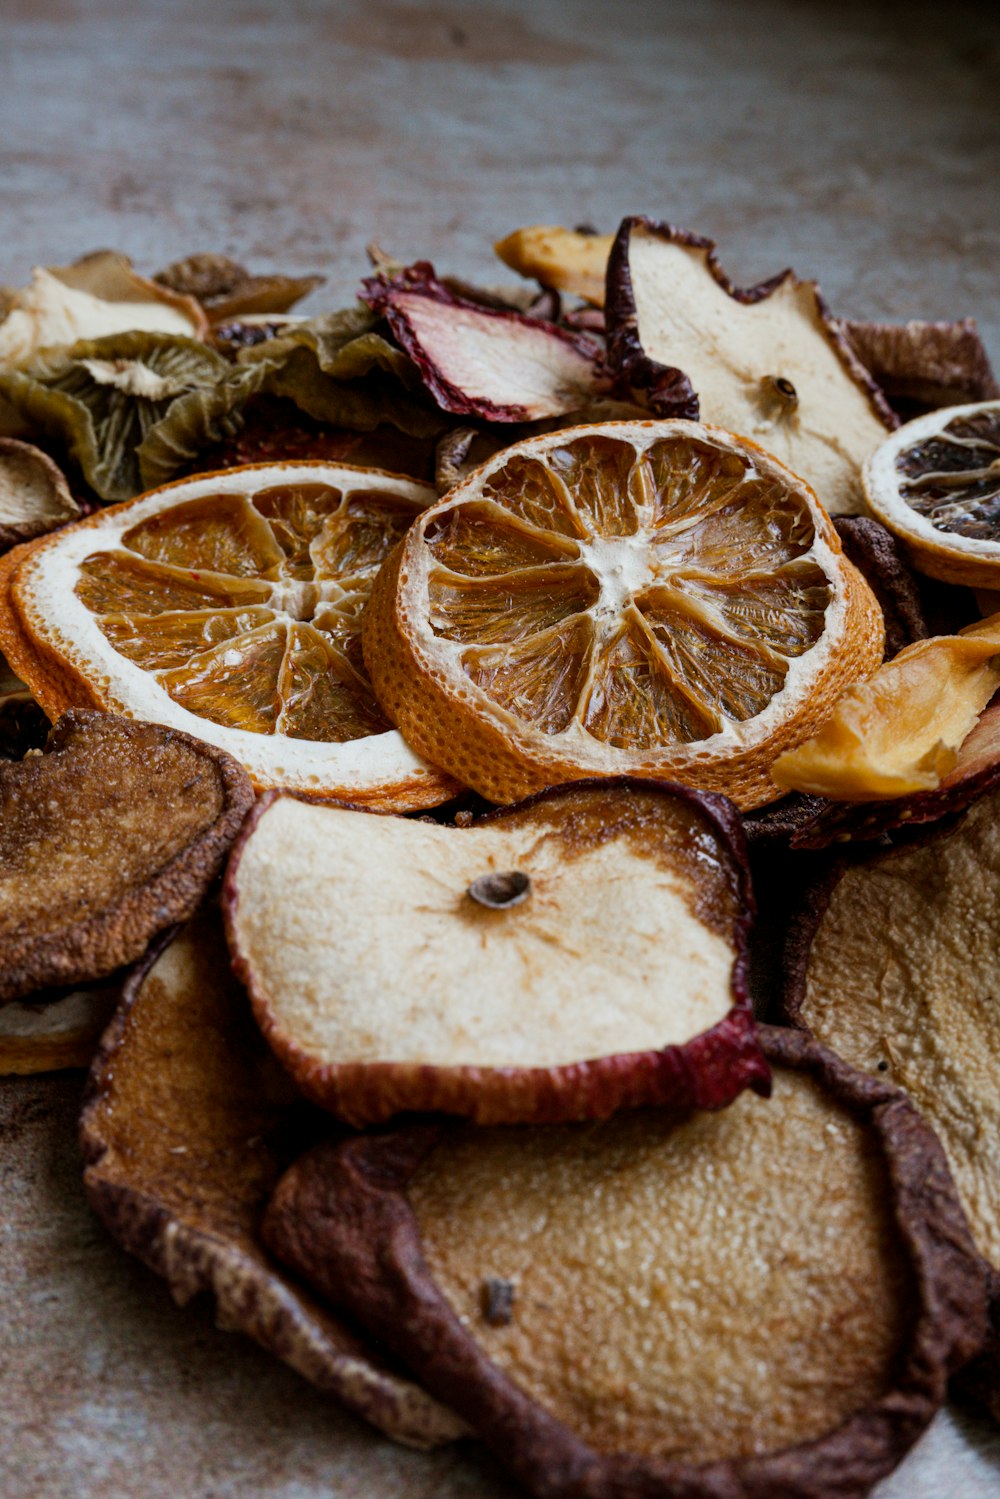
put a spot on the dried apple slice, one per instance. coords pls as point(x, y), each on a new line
point(895, 963)
point(187, 1125)
point(108, 838)
point(578, 953)
point(766, 1300)
point(478, 361)
point(765, 361)
point(34, 495)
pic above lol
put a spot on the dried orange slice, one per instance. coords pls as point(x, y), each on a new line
point(229, 606)
point(649, 598)
point(936, 484)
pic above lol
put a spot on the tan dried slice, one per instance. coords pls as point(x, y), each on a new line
point(766, 1300)
point(51, 1034)
point(229, 606)
point(98, 296)
point(112, 835)
point(766, 361)
point(896, 965)
point(645, 598)
point(936, 485)
point(582, 952)
point(187, 1125)
point(34, 495)
point(900, 732)
point(568, 260)
point(226, 289)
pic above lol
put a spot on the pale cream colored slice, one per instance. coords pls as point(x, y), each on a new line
point(34, 495)
point(736, 355)
point(55, 1035)
point(364, 941)
point(903, 980)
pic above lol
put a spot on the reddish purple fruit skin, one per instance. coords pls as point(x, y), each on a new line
point(707, 1072)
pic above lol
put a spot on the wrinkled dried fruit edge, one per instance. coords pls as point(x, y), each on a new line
point(191, 1262)
point(706, 1072)
point(376, 1268)
point(15, 533)
point(670, 390)
point(377, 294)
point(97, 947)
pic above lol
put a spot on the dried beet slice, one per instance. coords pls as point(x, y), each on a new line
point(478, 361)
point(924, 364)
point(767, 1300)
point(112, 835)
point(34, 495)
point(896, 965)
point(187, 1124)
point(976, 770)
point(765, 361)
point(385, 981)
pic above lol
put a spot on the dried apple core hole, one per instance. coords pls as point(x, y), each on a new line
point(643, 596)
point(953, 478)
point(246, 608)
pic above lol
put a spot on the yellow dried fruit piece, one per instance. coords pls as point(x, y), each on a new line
point(565, 259)
point(900, 731)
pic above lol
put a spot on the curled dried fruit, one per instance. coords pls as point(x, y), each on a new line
point(826, 1292)
point(52, 1032)
point(187, 1125)
point(569, 260)
point(929, 364)
point(766, 361)
point(34, 495)
point(582, 952)
point(112, 835)
point(227, 289)
point(900, 731)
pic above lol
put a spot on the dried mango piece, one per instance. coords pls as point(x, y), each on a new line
point(570, 260)
point(900, 731)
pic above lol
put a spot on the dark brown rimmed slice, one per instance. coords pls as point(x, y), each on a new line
point(924, 365)
point(765, 361)
point(895, 963)
point(580, 952)
point(501, 366)
point(113, 834)
point(767, 1300)
point(34, 495)
point(187, 1124)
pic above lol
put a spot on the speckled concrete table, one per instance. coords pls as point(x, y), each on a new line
point(859, 143)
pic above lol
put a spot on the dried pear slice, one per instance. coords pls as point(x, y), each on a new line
point(936, 485)
point(766, 1300)
point(187, 1125)
point(582, 952)
point(567, 259)
point(766, 361)
point(722, 621)
point(477, 361)
point(34, 495)
point(113, 834)
point(52, 1033)
point(194, 606)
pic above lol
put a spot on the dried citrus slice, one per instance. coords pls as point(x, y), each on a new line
point(648, 598)
point(936, 483)
point(229, 606)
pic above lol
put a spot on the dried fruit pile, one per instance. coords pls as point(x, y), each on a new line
point(571, 542)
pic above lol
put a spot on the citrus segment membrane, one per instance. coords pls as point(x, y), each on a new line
point(767, 1300)
point(766, 361)
point(230, 605)
point(603, 599)
point(387, 978)
point(187, 1124)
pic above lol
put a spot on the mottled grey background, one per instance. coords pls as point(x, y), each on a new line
point(860, 143)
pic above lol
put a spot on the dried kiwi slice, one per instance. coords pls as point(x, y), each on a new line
point(767, 1300)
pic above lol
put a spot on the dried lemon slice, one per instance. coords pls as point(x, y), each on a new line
point(229, 606)
point(649, 598)
point(936, 483)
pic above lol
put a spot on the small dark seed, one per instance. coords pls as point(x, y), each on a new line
point(498, 891)
point(496, 1302)
point(883, 1066)
point(783, 387)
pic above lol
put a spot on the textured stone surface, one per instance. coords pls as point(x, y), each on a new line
point(858, 143)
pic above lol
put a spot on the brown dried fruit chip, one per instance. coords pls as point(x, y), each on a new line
point(570, 260)
point(112, 835)
point(765, 361)
point(581, 952)
point(187, 1125)
point(926, 364)
point(227, 289)
point(34, 495)
point(49, 1033)
point(767, 1300)
point(477, 361)
point(881, 560)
